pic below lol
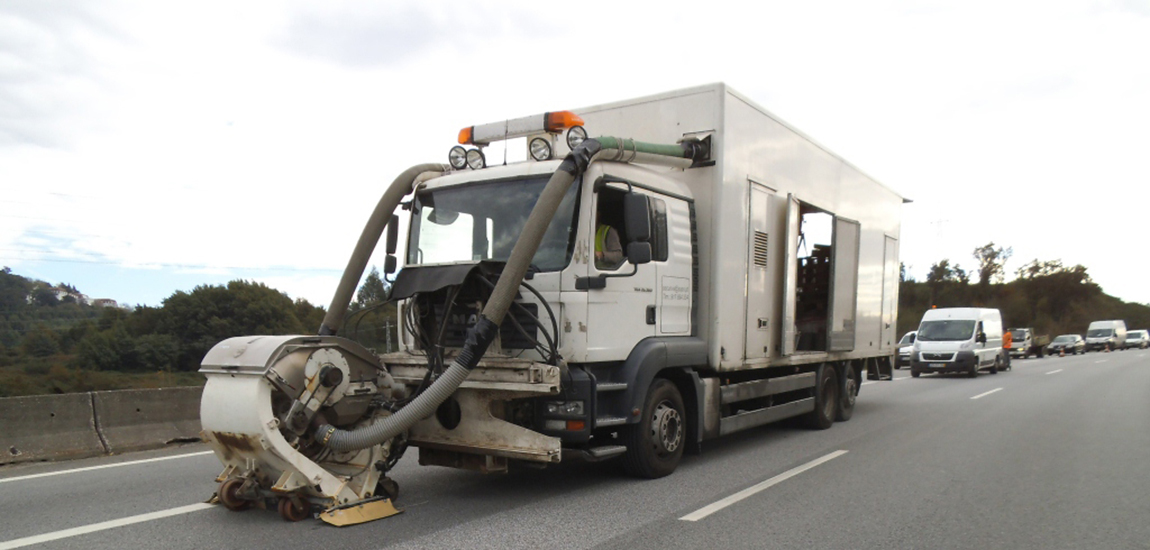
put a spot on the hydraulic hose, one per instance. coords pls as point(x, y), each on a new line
point(486, 329)
point(380, 217)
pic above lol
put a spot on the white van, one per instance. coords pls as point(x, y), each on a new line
point(958, 339)
point(1103, 334)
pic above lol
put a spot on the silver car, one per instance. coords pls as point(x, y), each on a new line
point(905, 347)
point(1137, 339)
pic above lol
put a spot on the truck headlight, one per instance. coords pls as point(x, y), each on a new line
point(565, 408)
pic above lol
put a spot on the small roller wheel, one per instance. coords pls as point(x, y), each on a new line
point(229, 494)
point(387, 487)
point(292, 509)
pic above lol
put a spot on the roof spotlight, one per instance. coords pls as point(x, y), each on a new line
point(457, 157)
point(575, 136)
point(540, 149)
point(476, 160)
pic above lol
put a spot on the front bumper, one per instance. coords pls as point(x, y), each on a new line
point(961, 362)
point(1091, 346)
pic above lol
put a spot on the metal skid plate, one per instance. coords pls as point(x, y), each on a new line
point(362, 512)
point(480, 432)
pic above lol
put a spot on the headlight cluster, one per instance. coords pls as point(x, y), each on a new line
point(565, 408)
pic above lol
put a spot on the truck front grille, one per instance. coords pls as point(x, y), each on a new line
point(937, 356)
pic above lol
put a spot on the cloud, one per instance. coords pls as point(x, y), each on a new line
point(393, 34)
point(48, 71)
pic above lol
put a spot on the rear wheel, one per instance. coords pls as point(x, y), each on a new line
point(994, 368)
point(973, 372)
point(848, 392)
point(655, 443)
point(826, 399)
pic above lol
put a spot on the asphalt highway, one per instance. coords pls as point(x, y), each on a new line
point(1053, 454)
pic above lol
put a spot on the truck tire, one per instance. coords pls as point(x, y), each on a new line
point(848, 391)
point(826, 399)
point(914, 372)
point(994, 368)
point(973, 372)
point(1041, 352)
point(655, 443)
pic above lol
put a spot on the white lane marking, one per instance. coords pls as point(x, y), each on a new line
point(1102, 361)
point(84, 530)
point(750, 491)
point(1054, 371)
point(901, 378)
point(987, 393)
point(867, 383)
point(101, 467)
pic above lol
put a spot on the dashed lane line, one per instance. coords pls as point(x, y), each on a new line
point(102, 526)
point(1056, 371)
point(981, 395)
point(103, 466)
point(757, 488)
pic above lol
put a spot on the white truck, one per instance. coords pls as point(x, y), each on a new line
point(758, 280)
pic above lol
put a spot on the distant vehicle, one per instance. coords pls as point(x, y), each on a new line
point(1027, 343)
point(905, 347)
point(1106, 335)
point(1072, 344)
point(958, 339)
point(1134, 339)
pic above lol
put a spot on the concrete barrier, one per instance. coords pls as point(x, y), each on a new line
point(48, 427)
point(132, 420)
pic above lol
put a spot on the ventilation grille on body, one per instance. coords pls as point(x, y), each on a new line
point(760, 258)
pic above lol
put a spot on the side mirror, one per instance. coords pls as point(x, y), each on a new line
point(637, 217)
point(981, 338)
point(389, 263)
point(637, 224)
point(639, 253)
point(392, 234)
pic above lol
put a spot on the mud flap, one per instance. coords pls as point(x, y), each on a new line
point(359, 512)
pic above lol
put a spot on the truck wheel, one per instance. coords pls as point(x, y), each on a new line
point(915, 372)
point(826, 399)
point(994, 368)
point(973, 372)
point(1041, 353)
point(655, 444)
point(848, 392)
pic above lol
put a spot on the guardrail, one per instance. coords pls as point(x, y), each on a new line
point(78, 425)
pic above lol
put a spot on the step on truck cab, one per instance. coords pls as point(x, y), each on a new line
point(697, 269)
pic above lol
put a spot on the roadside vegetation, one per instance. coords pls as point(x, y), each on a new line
point(54, 345)
point(50, 344)
point(1047, 295)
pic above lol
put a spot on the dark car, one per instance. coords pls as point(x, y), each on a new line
point(1067, 344)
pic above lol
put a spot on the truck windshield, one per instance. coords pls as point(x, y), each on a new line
point(482, 221)
point(945, 330)
point(1019, 334)
point(1099, 332)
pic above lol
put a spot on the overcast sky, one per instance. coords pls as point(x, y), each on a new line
point(150, 147)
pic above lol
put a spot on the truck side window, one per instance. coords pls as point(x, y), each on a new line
point(659, 229)
point(608, 238)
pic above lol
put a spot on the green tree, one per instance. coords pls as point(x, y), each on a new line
point(991, 263)
point(41, 342)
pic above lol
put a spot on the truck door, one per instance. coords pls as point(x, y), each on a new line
point(623, 311)
point(760, 275)
point(844, 284)
point(889, 292)
point(672, 257)
point(790, 274)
